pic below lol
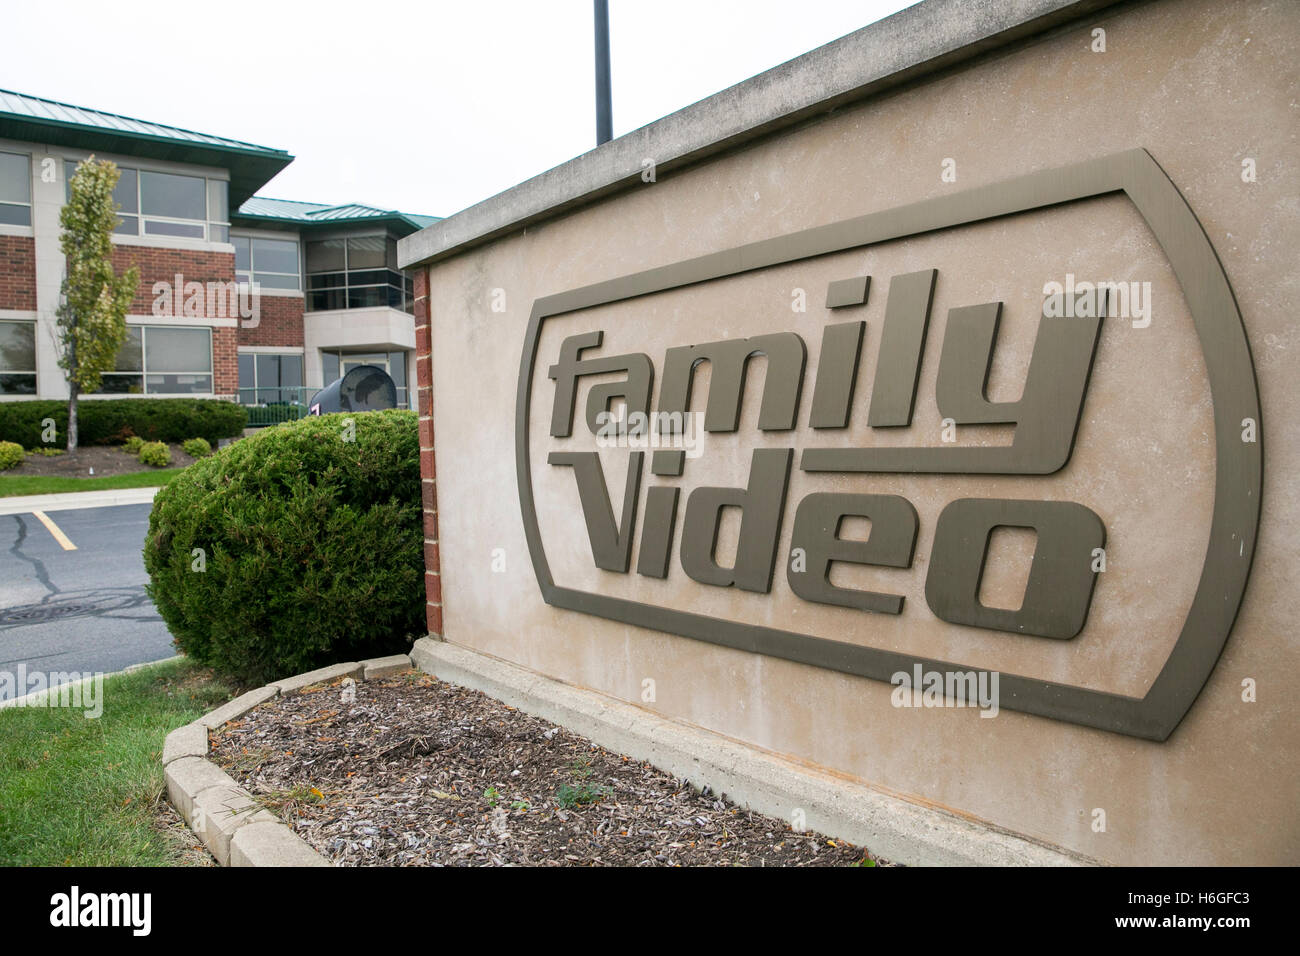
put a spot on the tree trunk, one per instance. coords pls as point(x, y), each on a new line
point(72, 397)
point(72, 421)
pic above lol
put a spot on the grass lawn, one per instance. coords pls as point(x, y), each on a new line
point(11, 485)
point(82, 792)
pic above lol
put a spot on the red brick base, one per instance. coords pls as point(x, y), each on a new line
point(428, 466)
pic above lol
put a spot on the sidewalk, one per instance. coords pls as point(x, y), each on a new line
point(25, 504)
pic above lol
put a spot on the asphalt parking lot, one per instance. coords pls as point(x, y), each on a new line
point(72, 595)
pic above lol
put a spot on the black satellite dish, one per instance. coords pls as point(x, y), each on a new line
point(366, 388)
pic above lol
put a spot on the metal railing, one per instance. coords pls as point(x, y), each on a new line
point(271, 406)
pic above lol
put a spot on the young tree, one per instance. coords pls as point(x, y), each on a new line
point(92, 314)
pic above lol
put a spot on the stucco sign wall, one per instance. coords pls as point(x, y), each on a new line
point(909, 420)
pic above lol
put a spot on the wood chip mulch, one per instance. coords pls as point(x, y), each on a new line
point(104, 460)
point(412, 771)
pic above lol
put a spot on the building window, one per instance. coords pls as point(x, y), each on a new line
point(162, 360)
point(15, 189)
point(269, 378)
point(168, 204)
point(356, 273)
point(271, 263)
point(17, 358)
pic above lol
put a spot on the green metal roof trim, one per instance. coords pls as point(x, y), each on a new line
point(34, 119)
point(262, 209)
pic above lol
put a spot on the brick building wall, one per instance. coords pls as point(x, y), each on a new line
point(192, 265)
point(163, 265)
point(18, 273)
point(225, 363)
point(280, 318)
point(279, 322)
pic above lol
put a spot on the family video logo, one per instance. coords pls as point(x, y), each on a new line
point(75, 909)
point(65, 689)
point(671, 518)
point(1071, 537)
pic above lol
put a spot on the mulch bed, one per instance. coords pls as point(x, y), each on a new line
point(414, 771)
point(105, 459)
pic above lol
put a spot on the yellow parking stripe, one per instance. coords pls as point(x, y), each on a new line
point(55, 530)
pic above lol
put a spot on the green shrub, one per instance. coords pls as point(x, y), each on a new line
point(110, 421)
point(47, 451)
point(312, 547)
point(132, 445)
point(155, 454)
point(11, 455)
point(197, 448)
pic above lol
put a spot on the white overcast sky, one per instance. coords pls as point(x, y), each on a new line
point(426, 107)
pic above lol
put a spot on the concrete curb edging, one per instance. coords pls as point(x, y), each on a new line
point(233, 826)
point(890, 826)
point(73, 500)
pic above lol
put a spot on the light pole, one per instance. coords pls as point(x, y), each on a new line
point(604, 108)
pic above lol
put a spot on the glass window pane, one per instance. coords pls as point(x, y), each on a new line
point(268, 371)
point(125, 193)
point(275, 255)
point(129, 356)
point(15, 178)
point(177, 350)
point(17, 346)
point(391, 256)
point(327, 300)
point(15, 215)
point(277, 282)
point(366, 253)
point(178, 384)
point(243, 254)
point(218, 202)
point(153, 227)
point(291, 371)
point(16, 384)
point(178, 197)
point(367, 297)
point(129, 226)
point(325, 256)
point(328, 280)
point(329, 366)
point(113, 384)
point(369, 277)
